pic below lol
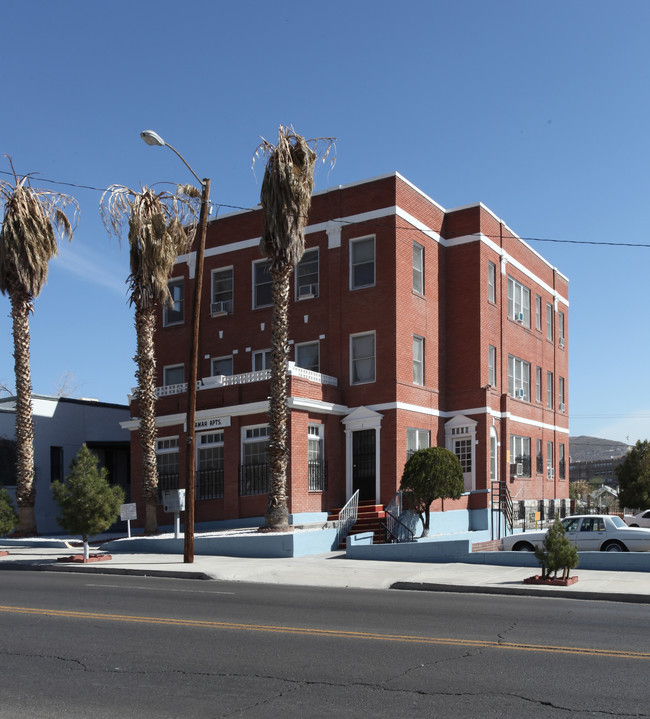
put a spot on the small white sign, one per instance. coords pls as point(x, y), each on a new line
point(128, 511)
point(206, 423)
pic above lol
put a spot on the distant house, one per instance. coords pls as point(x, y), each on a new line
point(61, 426)
point(410, 326)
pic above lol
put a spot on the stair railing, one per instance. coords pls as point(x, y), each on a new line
point(503, 507)
point(396, 531)
point(347, 517)
point(395, 505)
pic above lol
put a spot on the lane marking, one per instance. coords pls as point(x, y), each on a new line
point(330, 633)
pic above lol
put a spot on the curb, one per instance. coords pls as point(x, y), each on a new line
point(526, 591)
point(103, 569)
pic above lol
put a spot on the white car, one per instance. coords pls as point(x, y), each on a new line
point(590, 533)
point(642, 519)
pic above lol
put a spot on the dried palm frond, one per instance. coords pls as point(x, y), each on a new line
point(28, 238)
point(286, 193)
point(160, 227)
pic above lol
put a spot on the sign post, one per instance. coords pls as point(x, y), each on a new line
point(127, 513)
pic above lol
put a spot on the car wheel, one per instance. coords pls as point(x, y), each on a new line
point(523, 547)
point(633, 525)
point(613, 547)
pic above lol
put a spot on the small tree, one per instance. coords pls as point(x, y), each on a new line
point(557, 552)
point(634, 477)
point(8, 515)
point(579, 489)
point(432, 473)
point(89, 503)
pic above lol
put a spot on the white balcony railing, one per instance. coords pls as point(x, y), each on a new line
point(244, 378)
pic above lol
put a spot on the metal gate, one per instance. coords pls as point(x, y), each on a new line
point(364, 463)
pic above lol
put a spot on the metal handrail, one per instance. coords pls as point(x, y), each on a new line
point(396, 530)
point(348, 517)
point(502, 504)
point(396, 504)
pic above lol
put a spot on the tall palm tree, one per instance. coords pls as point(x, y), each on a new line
point(286, 197)
point(27, 244)
point(161, 226)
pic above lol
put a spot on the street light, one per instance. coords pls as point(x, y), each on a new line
point(152, 138)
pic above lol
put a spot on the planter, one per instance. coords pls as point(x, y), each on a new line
point(537, 579)
point(79, 558)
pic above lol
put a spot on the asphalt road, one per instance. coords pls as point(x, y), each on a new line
point(95, 646)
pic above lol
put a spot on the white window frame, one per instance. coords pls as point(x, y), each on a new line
point(254, 434)
point(355, 359)
point(216, 297)
point(492, 365)
point(549, 459)
point(518, 378)
point(173, 283)
point(418, 361)
point(256, 284)
point(265, 362)
point(538, 312)
point(353, 265)
point(310, 280)
point(171, 368)
point(560, 328)
point(549, 390)
point(304, 345)
point(560, 392)
point(492, 279)
point(418, 268)
point(416, 439)
point(521, 443)
point(538, 384)
point(518, 302)
point(549, 321)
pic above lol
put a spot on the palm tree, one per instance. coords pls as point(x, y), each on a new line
point(27, 244)
point(161, 226)
point(286, 197)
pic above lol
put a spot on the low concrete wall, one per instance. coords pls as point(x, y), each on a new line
point(289, 544)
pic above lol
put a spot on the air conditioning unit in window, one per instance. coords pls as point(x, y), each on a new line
point(307, 291)
point(561, 406)
point(519, 393)
point(520, 317)
point(519, 469)
point(220, 308)
point(550, 473)
point(560, 343)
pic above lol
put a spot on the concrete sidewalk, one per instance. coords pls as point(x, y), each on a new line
point(332, 569)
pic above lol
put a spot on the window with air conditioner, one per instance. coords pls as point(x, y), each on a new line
point(518, 302)
point(222, 292)
point(307, 275)
point(518, 378)
point(520, 455)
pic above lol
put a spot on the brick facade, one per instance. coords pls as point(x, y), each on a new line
point(376, 223)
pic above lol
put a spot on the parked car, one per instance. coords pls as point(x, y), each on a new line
point(642, 519)
point(590, 533)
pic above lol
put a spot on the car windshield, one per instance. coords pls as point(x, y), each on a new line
point(618, 522)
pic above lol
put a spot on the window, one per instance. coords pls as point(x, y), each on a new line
point(308, 356)
point(222, 291)
point(463, 450)
point(549, 460)
point(549, 321)
point(416, 439)
point(538, 384)
point(418, 360)
point(418, 268)
point(56, 464)
point(307, 275)
point(209, 466)
point(518, 378)
point(254, 471)
point(560, 328)
point(173, 314)
point(518, 302)
point(362, 358)
point(562, 462)
point(261, 360)
point(492, 366)
point(540, 458)
point(315, 459)
point(492, 276)
point(560, 393)
point(549, 390)
point(167, 464)
point(222, 366)
point(538, 313)
point(362, 263)
point(174, 374)
point(520, 454)
point(262, 283)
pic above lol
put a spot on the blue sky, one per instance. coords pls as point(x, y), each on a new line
point(540, 110)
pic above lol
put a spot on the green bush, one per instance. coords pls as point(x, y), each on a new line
point(556, 552)
point(8, 515)
point(89, 504)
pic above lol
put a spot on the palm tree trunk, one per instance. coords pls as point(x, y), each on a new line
point(277, 513)
point(145, 323)
point(21, 306)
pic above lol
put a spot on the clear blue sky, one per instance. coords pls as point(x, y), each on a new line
point(540, 110)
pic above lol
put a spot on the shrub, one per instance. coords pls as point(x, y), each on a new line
point(556, 552)
point(8, 514)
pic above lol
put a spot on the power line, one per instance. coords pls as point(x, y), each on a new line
point(377, 224)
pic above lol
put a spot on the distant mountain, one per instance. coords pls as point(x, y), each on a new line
point(587, 449)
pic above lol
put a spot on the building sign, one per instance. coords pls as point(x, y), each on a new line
point(213, 422)
point(128, 512)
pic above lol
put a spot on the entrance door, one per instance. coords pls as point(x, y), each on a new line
point(364, 459)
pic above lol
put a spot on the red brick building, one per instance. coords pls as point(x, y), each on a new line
point(410, 326)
